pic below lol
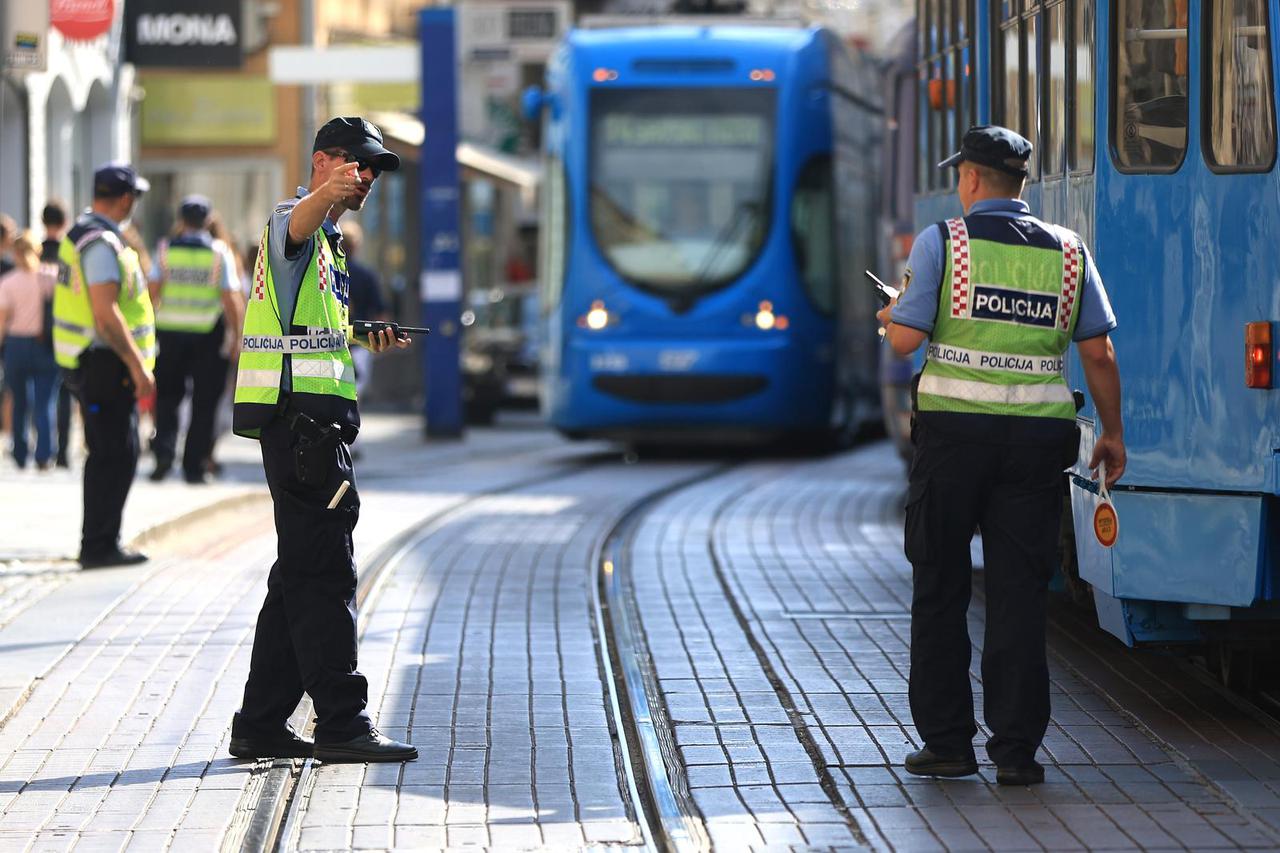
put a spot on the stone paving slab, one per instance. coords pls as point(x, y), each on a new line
point(750, 774)
point(814, 562)
point(484, 642)
point(123, 741)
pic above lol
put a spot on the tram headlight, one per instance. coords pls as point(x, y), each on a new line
point(766, 320)
point(595, 319)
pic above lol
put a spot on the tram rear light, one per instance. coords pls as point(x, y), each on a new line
point(1257, 355)
point(603, 75)
point(764, 75)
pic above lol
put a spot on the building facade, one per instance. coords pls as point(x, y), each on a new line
point(59, 123)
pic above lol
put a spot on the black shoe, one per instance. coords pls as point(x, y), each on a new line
point(198, 478)
point(118, 557)
point(371, 747)
point(161, 471)
point(287, 745)
point(62, 461)
point(1020, 774)
point(924, 762)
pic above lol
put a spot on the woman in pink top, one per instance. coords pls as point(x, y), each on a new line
point(29, 368)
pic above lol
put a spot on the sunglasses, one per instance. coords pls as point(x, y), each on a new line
point(348, 157)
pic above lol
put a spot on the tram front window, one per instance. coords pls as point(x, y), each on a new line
point(680, 183)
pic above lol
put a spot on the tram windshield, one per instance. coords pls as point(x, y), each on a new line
point(680, 182)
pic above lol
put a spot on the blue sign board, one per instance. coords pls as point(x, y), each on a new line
point(441, 285)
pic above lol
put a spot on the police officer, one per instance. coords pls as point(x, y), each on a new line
point(197, 296)
point(104, 339)
point(296, 394)
point(1000, 295)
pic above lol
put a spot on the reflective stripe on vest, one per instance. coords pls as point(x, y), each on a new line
point(190, 293)
point(986, 392)
point(1006, 313)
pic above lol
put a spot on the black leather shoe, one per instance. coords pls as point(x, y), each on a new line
point(1020, 774)
point(288, 745)
point(118, 557)
point(161, 471)
point(374, 746)
point(197, 479)
point(925, 762)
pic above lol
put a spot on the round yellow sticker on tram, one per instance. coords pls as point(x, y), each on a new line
point(1106, 526)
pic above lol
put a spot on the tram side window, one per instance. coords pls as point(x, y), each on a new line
point(1053, 145)
point(1150, 118)
point(947, 105)
point(551, 236)
point(813, 232)
point(1239, 108)
point(1083, 55)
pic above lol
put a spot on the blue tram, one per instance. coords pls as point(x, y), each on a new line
point(710, 195)
point(1155, 134)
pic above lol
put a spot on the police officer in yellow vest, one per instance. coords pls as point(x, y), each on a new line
point(296, 394)
point(999, 295)
point(196, 293)
point(104, 339)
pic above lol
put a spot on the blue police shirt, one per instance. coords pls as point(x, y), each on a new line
point(917, 307)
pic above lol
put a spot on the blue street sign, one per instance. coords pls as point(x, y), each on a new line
point(441, 285)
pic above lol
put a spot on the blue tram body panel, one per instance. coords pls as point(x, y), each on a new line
point(1188, 259)
point(687, 155)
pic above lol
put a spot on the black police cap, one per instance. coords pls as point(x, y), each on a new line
point(196, 206)
point(359, 138)
point(997, 147)
point(116, 179)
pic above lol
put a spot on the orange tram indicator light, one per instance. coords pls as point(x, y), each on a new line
point(1257, 355)
point(762, 75)
point(604, 75)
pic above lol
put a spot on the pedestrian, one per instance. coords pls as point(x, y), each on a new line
point(29, 368)
point(196, 291)
point(296, 394)
point(104, 339)
point(8, 231)
point(1000, 295)
point(54, 220)
point(366, 300)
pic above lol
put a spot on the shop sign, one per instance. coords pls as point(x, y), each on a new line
point(193, 33)
point(26, 36)
point(81, 20)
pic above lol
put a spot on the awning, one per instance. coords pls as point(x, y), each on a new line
point(524, 173)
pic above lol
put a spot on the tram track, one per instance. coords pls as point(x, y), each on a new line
point(274, 813)
point(645, 750)
point(664, 805)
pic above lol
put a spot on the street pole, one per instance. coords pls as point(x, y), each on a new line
point(441, 284)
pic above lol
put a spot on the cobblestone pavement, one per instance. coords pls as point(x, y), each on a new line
point(774, 601)
point(122, 740)
point(486, 640)
point(819, 590)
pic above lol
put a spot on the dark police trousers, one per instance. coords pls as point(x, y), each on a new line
point(306, 633)
point(196, 357)
point(110, 413)
point(993, 475)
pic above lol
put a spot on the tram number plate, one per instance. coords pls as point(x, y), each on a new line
point(677, 360)
point(609, 362)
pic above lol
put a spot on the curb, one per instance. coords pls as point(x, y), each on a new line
point(230, 503)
